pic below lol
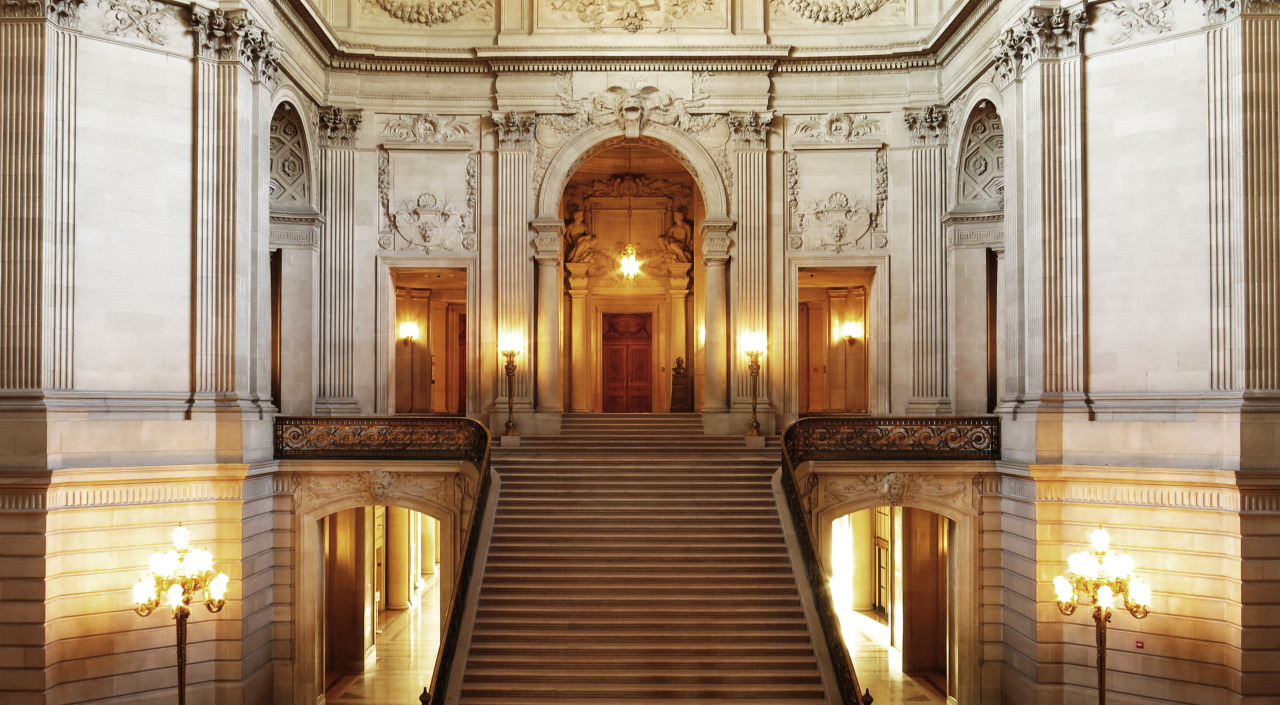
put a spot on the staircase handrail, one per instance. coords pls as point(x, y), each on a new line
point(404, 438)
point(868, 438)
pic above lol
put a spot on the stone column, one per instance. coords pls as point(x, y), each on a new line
point(930, 386)
point(679, 318)
point(1043, 52)
point(547, 251)
point(749, 277)
point(715, 252)
point(579, 345)
point(336, 394)
point(837, 302)
point(398, 560)
point(427, 545)
point(515, 300)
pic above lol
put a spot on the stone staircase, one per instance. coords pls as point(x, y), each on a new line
point(634, 560)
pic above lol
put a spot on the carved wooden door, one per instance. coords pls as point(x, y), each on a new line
point(628, 363)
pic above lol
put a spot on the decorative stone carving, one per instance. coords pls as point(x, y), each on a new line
point(845, 222)
point(630, 15)
point(61, 12)
point(375, 486)
point(430, 13)
point(144, 18)
point(288, 182)
point(837, 127)
point(678, 9)
point(832, 12)
point(882, 189)
point(899, 488)
point(216, 32)
point(982, 159)
point(1041, 33)
point(429, 222)
point(259, 51)
point(631, 186)
point(1130, 17)
point(1218, 11)
point(515, 130)
point(426, 128)
point(339, 126)
point(750, 129)
point(927, 126)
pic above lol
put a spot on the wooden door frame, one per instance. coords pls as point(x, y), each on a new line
point(650, 335)
point(658, 306)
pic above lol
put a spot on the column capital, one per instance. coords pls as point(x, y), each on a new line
point(749, 128)
point(1041, 33)
point(64, 13)
point(716, 240)
point(1221, 11)
point(515, 129)
point(927, 125)
point(338, 126)
point(547, 245)
point(578, 279)
point(225, 36)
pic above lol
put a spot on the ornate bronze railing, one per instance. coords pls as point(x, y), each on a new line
point(404, 438)
point(381, 438)
point(871, 438)
point(868, 438)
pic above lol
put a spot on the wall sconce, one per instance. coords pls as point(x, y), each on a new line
point(175, 577)
point(408, 331)
point(851, 331)
point(629, 265)
point(754, 344)
point(510, 345)
point(1100, 576)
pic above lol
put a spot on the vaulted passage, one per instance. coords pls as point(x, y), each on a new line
point(634, 559)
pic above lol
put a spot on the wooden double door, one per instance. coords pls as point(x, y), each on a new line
point(627, 366)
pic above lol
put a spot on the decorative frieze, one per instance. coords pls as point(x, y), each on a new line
point(430, 13)
point(148, 19)
point(927, 125)
point(831, 12)
point(634, 16)
point(836, 128)
point(339, 127)
point(901, 489)
point(1132, 17)
point(427, 128)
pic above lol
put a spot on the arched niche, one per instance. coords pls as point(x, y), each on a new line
point(978, 167)
point(286, 101)
point(684, 148)
point(442, 490)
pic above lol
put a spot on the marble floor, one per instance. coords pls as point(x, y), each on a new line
point(406, 656)
point(879, 667)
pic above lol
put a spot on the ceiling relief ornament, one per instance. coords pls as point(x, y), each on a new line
point(64, 13)
point(835, 128)
point(927, 126)
point(831, 12)
point(339, 127)
point(431, 13)
point(901, 488)
point(147, 19)
point(631, 15)
point(1128, 18)
point(428, 222)
point(427, 128)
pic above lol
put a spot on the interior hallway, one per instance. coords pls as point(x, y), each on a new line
point(407, 644)
point(879, 667)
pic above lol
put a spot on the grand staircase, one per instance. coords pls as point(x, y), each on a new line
point(634, 560)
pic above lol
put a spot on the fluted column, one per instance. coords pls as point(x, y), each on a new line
point(580, 369)
point(715, 252)
point(338, 129)
point(930, 386)
point(547, 251)
point(749, 277)
point(515, 293)
point(38, 220)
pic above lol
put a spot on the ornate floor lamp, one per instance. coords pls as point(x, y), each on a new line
point(509, 345)
point(754, 345)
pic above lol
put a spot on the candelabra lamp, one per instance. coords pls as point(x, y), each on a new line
point(176, 576)
point(509, 346)
point(754, 345)
point(1099, 576)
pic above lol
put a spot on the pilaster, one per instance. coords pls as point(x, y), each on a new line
point(579, 355)
point(930, 386)
point(715, 256)
point(749, 277)
point(515, 300)
point(336, 389)
point(547, 253)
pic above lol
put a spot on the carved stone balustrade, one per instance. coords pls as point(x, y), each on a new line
point(380, 438)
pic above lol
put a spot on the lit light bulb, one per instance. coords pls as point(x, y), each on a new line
point(851, 330)
point(755, 342)
point(1105, 598)
point(1101, 540)
point(218, 587)
point(1083, 564)
point(408, 331)
point(165, 564)
point(510, 342)
point(144, 590)
point(1117, 565)
point(181, 537)
point(1063, 587)
point(198, 561)
point(629, 264)
point(175, 595)
point(1139, 592)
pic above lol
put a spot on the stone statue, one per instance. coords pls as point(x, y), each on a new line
point(580, 244)
point(678, 240)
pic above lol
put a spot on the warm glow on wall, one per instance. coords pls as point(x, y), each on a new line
point(754, 342)
point(509, 343)
point(851, 331)
point(408, 331)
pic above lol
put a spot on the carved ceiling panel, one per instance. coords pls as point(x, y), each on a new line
point(445, 15)
point(632, 16)
point(982, 159)
point(288, 184)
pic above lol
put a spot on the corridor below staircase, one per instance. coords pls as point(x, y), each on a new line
point(634, 560)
